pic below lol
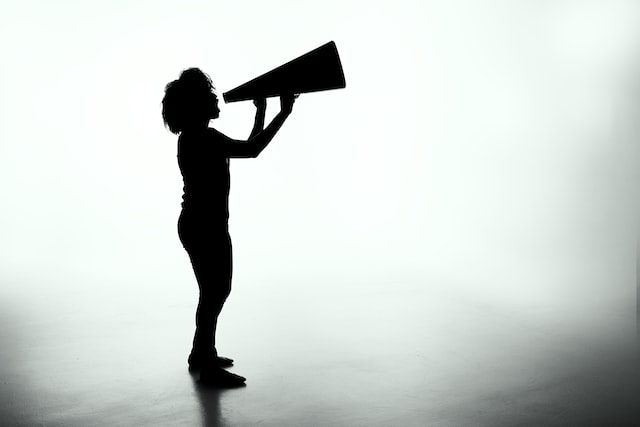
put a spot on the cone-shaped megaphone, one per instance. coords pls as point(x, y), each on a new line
point(314, 71)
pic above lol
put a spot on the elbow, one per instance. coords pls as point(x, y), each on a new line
point(255, 151)
point(248, 150)
point(250, 154)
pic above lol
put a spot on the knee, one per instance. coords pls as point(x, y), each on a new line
point(216, 294)
point(225, 290)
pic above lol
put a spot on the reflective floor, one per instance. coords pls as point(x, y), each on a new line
point(380, 354)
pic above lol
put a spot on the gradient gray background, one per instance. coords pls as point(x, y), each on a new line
point(483, 150)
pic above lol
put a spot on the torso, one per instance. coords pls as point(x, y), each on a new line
point(205, 174)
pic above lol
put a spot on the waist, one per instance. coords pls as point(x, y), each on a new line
point(202, 223)
point(195, 212)
point(203, 203)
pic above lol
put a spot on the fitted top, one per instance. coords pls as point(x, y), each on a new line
point(204, 165)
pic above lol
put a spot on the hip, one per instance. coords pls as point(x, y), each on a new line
point(196, 225)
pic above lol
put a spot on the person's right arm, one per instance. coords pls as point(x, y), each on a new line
point(257, 142)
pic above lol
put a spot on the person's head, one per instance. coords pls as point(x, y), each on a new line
point(189, 102)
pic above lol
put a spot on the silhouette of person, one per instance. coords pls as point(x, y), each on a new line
point(188, 105)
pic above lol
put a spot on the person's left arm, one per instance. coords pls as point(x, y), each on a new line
point(229, 147)
point(261, 108)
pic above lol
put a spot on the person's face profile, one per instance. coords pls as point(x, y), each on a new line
point(215, 110)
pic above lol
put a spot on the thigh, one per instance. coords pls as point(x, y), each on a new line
point(200, 231)
point(210, 251)
point(211, 258)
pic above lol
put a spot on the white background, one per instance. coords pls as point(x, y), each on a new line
point(485, 148)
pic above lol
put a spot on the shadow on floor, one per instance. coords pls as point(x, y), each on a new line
point(209, 398)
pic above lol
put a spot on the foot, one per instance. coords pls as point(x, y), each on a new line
point(218, 377)
point(197, 361)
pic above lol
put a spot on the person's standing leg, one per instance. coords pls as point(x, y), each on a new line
point(214, 279)
point(191, 229)
point(222, 285)
point(205, 322)
point(212, 264)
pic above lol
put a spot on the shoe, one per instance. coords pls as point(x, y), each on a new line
point(197, 361)
point(224, 362)
point(218, 377)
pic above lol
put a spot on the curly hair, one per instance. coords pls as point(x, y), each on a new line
point(187, 100)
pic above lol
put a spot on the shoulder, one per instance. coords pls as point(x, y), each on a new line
point(214, 134)
point(190, 143)
point(202, 135)
point(194, 138)
point(204, 143)
point(191, 136)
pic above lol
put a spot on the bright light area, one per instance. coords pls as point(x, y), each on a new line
point(485, 149)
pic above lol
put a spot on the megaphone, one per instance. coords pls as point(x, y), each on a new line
point(317, 70)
